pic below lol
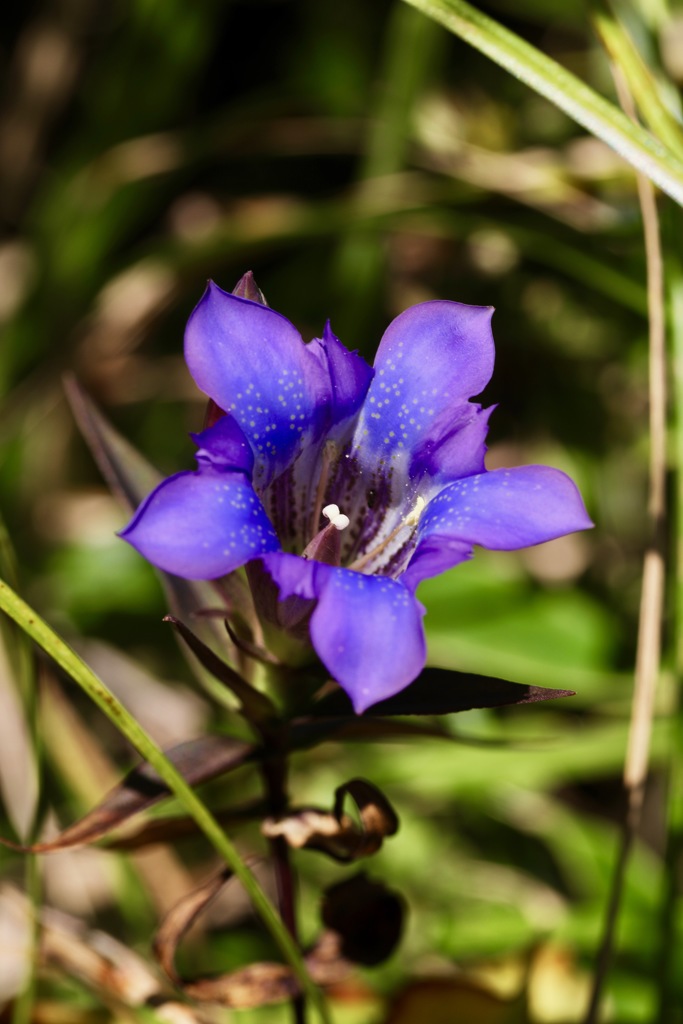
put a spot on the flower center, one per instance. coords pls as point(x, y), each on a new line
point(408, 522)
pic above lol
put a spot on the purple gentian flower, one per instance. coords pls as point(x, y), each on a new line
point(349, 484)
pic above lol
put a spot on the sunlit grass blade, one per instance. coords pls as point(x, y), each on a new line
point(641, 81)
point(94, 687)
point(567, 92)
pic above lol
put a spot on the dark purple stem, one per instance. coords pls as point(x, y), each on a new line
point(275, 778)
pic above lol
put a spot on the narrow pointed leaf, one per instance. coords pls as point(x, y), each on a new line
point(306, 733)
point(258, 984)
point(197, 761)
point(439, 691)
point(643, 84)
point(567, 92)
point(254, 704)
point(178, 920)
point(170, 830)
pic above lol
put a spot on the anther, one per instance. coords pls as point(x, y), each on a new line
point(336, 518)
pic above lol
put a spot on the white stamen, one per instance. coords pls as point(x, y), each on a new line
point(336, 518)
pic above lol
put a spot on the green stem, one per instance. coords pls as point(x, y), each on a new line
point(127, 725)
point(567, 92)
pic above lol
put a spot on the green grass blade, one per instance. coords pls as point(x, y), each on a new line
point(76, 668)
point(567, 92)
point(641, 81)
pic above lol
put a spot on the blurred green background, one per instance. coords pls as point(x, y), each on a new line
point(358, 159)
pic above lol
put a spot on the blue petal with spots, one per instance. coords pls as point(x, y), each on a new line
point(348, 373)
point(366, 630)
point(430, 361)
point(503, 509)
point(201, 525)
point(253, 363)
point(409, 432)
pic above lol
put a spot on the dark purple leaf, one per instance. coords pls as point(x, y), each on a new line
point(197, 761)
point(255, 705)
point(439, 691)
point(169, 830)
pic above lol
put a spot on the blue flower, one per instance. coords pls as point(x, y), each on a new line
point(347, 484)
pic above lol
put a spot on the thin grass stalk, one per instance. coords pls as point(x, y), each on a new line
point(648, 651)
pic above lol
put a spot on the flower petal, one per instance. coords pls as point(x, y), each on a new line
point(456, 447)
point(253, 363)
point(224, 447)
point(432, 556)
point(366, 630)
point(201, 525)
point(348, 373)
point(504, 510)
point(432, 359)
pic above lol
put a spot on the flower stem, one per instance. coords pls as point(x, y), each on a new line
point(274, 770)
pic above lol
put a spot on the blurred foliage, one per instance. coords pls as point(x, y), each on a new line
point(358, 159)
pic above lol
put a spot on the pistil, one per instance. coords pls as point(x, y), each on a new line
point(328, 453)
point(409, 522)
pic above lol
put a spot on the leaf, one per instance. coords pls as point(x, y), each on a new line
point(256, 985)
point(567, 92)
point(438, 691)
point(642, 82)
point(309, 732)
point(131, 478)
point(335, 833)
point(355, 906)
point(254, 705)
point(167, 830)
point(181, 917)
point(197, 761)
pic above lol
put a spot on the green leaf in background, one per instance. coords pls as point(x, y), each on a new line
point(562, 88)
